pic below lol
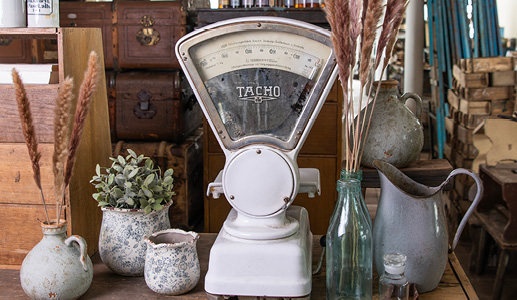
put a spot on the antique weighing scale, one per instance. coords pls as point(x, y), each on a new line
point(261, 82)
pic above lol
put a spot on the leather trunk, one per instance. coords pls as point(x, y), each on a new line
point(152, 106)
point(91, 14)
point(147, 33)
point(186, 159)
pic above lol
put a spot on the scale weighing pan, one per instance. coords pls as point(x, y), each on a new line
point(261, 82)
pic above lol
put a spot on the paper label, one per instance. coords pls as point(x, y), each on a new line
point(39, 7)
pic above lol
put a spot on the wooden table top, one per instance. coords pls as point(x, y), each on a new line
point(107, 285)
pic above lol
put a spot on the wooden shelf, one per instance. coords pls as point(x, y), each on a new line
point(29, 33)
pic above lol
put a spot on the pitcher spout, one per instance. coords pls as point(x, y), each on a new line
point(392, 176)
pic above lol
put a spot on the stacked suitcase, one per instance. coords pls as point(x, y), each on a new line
point(152, 109)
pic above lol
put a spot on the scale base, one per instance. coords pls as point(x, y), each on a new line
point(262, 268)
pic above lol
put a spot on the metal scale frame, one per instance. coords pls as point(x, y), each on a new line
point(261, 82)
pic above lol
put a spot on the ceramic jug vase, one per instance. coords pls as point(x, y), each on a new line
point(57, 267)
point(396, 134)
point(410, 219)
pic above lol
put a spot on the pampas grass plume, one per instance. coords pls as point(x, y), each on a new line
point(62, 113)
point(85, 97)
point(29, 132)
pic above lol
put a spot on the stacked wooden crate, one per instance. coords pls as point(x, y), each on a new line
point(483, 88)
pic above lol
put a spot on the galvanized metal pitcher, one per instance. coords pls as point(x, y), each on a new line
point(411, 220)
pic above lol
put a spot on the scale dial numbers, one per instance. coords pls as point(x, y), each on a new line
point(295, 54)
point(258, 56)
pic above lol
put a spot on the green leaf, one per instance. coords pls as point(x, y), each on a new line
point(110, 179)
point(128, 184)
point(120, 179)
point(103, 203)
point(133, 173)
point(117, 193)
point(157, 189)
point(121, 160)
point(147, 209)
point(168, 180)
point(131, 152)
point(149, 164)
point(168, 172)
point(148, 179)
point(98, 170)
point(130, 201)
point(143, 203)
point(157, 206)
point(147, 193)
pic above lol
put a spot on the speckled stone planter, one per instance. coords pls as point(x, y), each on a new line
point(171, 262)
point(57, 267)
point(121, 240)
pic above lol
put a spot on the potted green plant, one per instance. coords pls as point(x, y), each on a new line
point(135, 200)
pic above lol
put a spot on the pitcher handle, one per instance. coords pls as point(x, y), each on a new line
point(472, 205)
point(83, 249)
point(418, 100)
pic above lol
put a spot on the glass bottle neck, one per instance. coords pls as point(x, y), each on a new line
point(351, 175)
point(348, 184)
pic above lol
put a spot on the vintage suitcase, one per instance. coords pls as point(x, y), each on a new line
point(147, 33)
point(91, 14)
point(186, 160)
point(153, 106)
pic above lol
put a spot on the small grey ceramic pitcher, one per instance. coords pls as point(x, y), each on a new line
point(171, 262)
point(410, 219)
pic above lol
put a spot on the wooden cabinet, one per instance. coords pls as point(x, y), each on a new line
point(20, 203)
point(322, 150)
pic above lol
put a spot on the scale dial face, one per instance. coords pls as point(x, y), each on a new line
point(259, 79)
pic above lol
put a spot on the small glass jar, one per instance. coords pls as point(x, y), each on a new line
point(393, 285)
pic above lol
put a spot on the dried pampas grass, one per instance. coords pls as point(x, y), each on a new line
point(88, 87)
point(29, 132)
point(61, 138)
point(350, 21)
point(65, 145)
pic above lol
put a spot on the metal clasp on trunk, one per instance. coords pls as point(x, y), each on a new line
point(144, 109)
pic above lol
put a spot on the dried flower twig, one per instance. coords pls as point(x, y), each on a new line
point(29, 133)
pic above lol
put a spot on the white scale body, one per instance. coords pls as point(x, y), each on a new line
point(261, 82)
